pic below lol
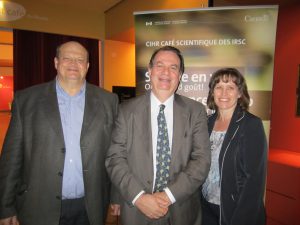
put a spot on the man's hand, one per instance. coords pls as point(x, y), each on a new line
point(162, 199)
point(150, 206)
point(115, 210)
point(9, 221)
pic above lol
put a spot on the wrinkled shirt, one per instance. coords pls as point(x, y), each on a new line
point(71, 110)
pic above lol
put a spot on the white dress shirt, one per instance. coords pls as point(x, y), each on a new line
point(168, 111)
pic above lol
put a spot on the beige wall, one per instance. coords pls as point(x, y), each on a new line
point(52, 18)
point(120, 18)
point(119, 64)
point(6, 52)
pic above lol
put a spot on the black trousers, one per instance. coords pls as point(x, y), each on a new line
point(210, 213)
point(73, 212)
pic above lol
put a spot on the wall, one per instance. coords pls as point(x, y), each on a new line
point(4, 121)
point(120, 18)
point(6, 71)
point(6, 52)
point(285, 126)
point(119, 64)
point(52, 18)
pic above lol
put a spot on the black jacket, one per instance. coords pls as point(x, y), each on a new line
point(242, 163)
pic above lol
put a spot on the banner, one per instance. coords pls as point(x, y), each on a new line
point(210, 39)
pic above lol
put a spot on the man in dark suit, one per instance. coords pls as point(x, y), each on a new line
point(154, 190)
point(52, 164)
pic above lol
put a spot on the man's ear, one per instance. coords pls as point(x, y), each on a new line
point(55, 62)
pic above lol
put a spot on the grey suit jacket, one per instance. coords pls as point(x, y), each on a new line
point(130, 159)
point(32, 160)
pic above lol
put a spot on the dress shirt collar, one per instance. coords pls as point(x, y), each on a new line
point(156, 103)
point(61, 91)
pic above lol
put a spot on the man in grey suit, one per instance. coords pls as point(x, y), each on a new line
point(135, 160)
point(52, 167)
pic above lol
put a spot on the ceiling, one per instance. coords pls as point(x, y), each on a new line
point(92, 5)
point(260, 2)
point(103, 5)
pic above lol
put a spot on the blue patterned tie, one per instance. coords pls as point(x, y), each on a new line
point(163, 154)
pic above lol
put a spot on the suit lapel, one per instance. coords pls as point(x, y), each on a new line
point(91, 109)
point(51, 110)
point(180, 121)
point(233, 128)
point(142, 127)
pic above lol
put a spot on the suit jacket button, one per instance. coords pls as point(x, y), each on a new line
point(60, 174)
point(63, 150)
point(58, 197)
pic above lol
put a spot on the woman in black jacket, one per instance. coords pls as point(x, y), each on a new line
point(234, 189)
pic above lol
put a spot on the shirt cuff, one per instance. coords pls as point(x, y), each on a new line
point(170, 195)
point(136, 197)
